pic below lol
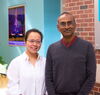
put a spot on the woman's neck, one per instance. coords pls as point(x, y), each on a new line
point(32, 57)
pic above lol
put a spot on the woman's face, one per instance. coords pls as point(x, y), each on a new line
point(33, 42)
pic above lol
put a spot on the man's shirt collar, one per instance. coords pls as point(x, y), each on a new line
point(68, 44)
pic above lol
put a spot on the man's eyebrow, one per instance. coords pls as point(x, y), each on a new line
point(66, 21)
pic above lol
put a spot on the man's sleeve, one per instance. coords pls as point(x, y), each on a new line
point(90, 72)
point(49, 74)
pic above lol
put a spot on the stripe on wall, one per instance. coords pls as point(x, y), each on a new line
point(98, 10)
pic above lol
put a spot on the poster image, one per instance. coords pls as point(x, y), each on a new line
point(16, 20)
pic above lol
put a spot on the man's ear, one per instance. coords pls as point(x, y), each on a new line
point(57, 26)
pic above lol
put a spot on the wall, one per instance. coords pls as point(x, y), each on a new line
point(39, 14)
point(34, 18)
point(97, 23)
point(97, 34)
point(6, 51)
point(83, 10)
point(51, 12)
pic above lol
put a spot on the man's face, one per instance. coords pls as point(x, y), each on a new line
point(66, 25)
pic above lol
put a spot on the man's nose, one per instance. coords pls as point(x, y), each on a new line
point(67, 26)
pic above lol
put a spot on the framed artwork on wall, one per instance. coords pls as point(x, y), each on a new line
point(16, 21)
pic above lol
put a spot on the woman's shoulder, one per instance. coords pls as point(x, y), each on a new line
point(17, 60)
point(42, 58)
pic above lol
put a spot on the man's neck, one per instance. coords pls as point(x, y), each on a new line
point(68, 39)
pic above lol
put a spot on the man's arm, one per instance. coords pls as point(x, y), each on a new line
point(49, 75)
point(90, 72)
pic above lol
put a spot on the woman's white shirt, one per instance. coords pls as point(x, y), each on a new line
point(25, 78)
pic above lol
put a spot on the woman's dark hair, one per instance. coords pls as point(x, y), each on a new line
point(33, 30)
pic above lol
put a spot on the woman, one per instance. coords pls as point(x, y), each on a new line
point(26, 72)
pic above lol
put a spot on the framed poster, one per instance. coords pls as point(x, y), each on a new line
point(16, 20)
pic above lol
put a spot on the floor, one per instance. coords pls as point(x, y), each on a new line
point(3, 84)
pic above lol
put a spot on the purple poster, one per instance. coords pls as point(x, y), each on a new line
point(16, 17)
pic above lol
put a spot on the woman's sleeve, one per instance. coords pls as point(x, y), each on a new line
point(13, 79)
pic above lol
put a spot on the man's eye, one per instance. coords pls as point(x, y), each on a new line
point(63, 23)
point(70, 22)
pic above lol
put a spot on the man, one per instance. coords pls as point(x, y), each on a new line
point(71, 63)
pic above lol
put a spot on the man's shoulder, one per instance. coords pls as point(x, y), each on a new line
point(55, 43)
point(54, 47)
point(84, 42)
